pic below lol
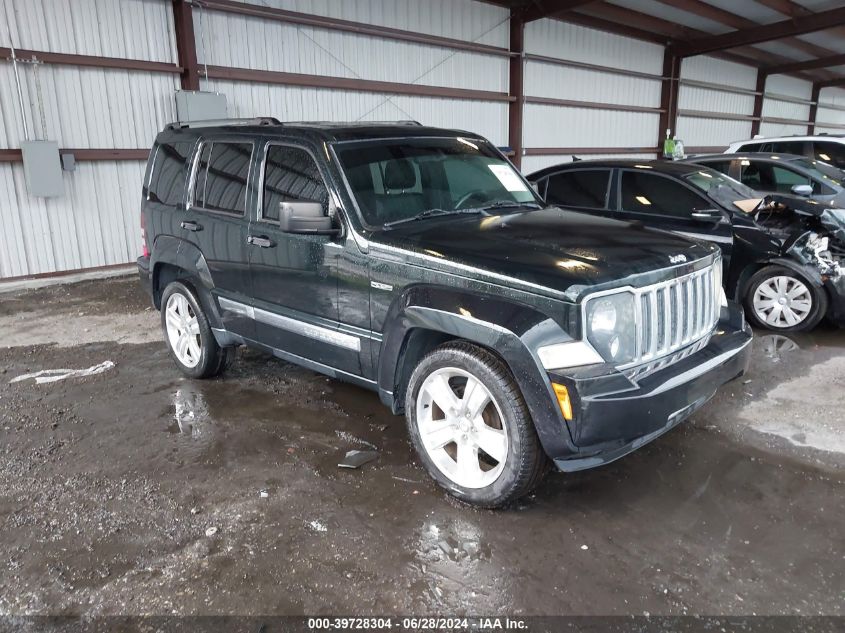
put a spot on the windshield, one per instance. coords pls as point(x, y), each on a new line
point(400, 179)
point(723, 189)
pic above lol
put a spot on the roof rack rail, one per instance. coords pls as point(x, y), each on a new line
point(264, 120)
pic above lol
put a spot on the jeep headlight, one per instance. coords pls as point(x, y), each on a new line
point(611, 327)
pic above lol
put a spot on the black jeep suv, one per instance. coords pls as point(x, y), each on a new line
point(417, 262)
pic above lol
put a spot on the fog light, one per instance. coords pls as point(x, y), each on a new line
point(563, 400)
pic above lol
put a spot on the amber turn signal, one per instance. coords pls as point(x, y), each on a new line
point(563, 400)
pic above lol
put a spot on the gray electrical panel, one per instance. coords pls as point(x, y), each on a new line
point(42, 169)
point(200, 106)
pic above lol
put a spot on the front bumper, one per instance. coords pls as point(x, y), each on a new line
point(836, 292)
point(615, 415)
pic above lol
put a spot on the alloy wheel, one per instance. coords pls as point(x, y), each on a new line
point(183, 330)
point(782, 301)
point(462, 427)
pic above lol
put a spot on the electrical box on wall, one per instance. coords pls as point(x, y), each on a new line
point(42, 169)
point(195, 105)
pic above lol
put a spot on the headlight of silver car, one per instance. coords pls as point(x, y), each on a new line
point(611, 327)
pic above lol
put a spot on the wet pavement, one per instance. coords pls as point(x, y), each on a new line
point(137, 491)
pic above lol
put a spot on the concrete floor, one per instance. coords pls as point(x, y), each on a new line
point(138, 491)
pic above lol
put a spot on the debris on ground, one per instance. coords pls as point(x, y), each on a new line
point(263, 494)
point(211, 531)
point(54, 375)
point(356, 458)
point(318, 526)
point(348, 437)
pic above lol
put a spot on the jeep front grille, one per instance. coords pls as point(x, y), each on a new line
point(677, 313)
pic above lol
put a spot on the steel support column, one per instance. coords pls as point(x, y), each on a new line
point(186, 46)
point(760, 89)
point(814, 108)
point(516, 74)
point(669, 96)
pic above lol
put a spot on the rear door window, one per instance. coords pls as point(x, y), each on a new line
point(221, 176)
point(579, 188)
point(290, 175)
point(723, 166)
point(169, 173)
point(833, 153)
point(787, 147)
point(657, 195)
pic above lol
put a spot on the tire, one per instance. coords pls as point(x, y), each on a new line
point(803, 304)
point(515, 463)
point(181, 313)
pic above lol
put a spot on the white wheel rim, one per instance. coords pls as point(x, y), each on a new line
point(183, 330)
point(782, 302)
point(462, 428)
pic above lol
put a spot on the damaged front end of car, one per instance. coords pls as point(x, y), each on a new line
point(819, 246)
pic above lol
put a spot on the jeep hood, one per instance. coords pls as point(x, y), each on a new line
point(557, 249)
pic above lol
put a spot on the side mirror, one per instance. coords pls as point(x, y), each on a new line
point(802, 190)
point(707, 215)
point(305, 217)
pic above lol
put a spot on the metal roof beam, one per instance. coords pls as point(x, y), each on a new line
point(550, 8)
point(812, 64)
point(762, 33)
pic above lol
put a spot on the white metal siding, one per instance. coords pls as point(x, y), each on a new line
point(294, 103)
point(87, 107)
point(458, 19)
point(580, 84)
point(553, 126)
point(564, 126)
point(133, 29)
point(578, 43)
point(774, 107)
point(96, 222)
point(833, 96)
point(247, 42)
point(705, 131)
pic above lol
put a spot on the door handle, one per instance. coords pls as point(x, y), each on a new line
point(262, 241)
point(190, 226)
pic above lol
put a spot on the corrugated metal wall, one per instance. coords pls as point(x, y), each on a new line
point(710, 131)
point(833, 115)
point(96, 222)
point(798, 89)
point(575, 127)
point(255, 43)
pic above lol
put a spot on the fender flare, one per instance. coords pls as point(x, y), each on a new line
point(182, 254)
point(509, 329)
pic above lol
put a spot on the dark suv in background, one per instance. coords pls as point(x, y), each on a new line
point(417, 262)
point(784, 256)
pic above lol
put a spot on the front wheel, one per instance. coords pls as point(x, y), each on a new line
point(469, 423)
point(779, 299)
point(189, 338)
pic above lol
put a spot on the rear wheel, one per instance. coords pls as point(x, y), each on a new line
point(469, 423)
point(188, 334)
point(777, 298)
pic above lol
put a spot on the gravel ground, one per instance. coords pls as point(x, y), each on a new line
point(137, 491)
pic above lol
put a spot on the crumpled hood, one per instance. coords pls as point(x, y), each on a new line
point(551, 248)
point(829, 214)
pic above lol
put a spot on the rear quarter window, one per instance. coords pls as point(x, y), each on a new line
point(169, 173)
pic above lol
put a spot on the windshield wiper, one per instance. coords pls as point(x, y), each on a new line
point(431, 213)
point(503, 204)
